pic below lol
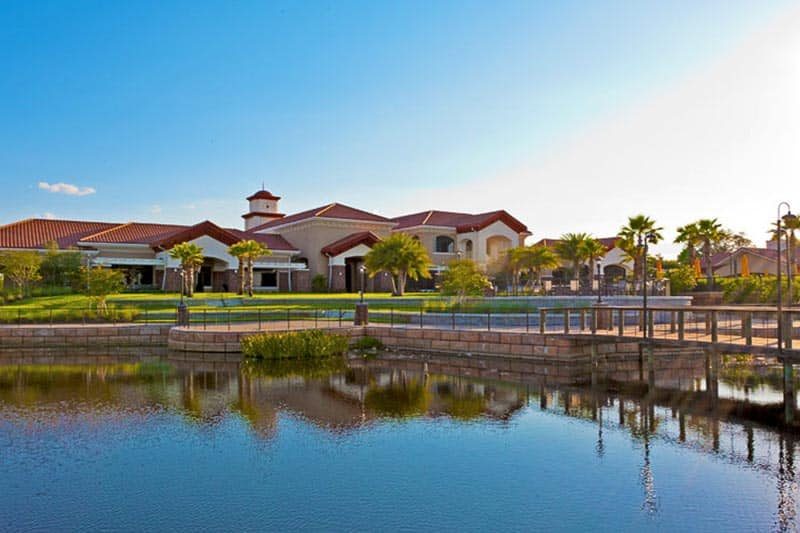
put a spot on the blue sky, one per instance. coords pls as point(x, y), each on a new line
point(175, 111)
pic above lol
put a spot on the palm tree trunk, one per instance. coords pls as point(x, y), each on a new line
point(250, 276)
point(709, 266)
point(241, 275)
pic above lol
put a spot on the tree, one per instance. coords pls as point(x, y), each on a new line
point(639, 228)
point(99, 283)
point(191, 257)
point(402, 257)
point(238, 251)
point(592, 251)
point(60, 267)
point(247, 252)
point(710, 233)
point(463, 278)
point(571, 248)
point(22, 268)
point(536, 259)
point(688, 236)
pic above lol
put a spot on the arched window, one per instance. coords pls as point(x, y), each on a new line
point(445, 245)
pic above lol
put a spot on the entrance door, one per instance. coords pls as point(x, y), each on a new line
point(203, 278)
point(352, 274)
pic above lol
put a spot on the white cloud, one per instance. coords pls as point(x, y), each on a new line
point(155, 209)
point(66, 188)
point(49, 216)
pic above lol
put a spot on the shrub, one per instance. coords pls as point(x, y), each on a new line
point(296, 344)
point(682, 279)
point(319, 283)
point(368, 343)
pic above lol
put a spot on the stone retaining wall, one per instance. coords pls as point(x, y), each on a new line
point(493, 343)
point(101, 335)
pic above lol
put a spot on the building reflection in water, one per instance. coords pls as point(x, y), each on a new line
point(340, 398)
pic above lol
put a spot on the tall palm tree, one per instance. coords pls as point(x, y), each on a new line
point(593, 250)
point(252, 251)
point(638, 229)
point(239, 250)
point(191, 257)
point(570, 248)
point(689, 237)
point(710, 233)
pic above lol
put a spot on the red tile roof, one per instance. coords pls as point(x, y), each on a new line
point(37, 233)
point(346, 243)
point(270, 240)
point(334, 210)
point(133, 233)
point(463, 222)
point(263, 195)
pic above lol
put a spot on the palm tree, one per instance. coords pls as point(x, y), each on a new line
point(710, 233)
point(539, 258)
point(570, 248)
point(639, 228)
point(688, 235)
point(253, 250)
point(238, 250)
point(402, 257)
point(191, 257)
point(247, 252)
point(516, 258)
point(593, 250)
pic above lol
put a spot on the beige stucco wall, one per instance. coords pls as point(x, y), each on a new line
point(758, 265)
point(311, 236)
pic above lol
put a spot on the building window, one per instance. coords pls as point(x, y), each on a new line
point(444, 245)
point(269, 279)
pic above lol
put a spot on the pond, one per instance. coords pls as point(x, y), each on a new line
point(153, 443)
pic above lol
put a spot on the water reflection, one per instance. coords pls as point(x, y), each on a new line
point(341, 398)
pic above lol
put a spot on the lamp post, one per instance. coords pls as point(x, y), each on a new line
point(643, 241)
point(788, 217)
point(363, 271)
point(599, 289)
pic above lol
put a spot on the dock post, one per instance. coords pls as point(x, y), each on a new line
point(595, 318)
point(788, 391)
point(681, 325)
point(714, 327)
point(650, 323)
point(673, 323)
point(747, 327)
point(542, 321)
point(621, 322)
point(566, 320)
point(582, 319)
point(788, 322)
point(651, 366)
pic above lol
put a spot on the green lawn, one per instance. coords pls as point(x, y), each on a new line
point(160, 307)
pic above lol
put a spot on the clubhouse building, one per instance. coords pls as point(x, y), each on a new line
point(328, 241)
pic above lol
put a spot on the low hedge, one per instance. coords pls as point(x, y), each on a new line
point(294, 345)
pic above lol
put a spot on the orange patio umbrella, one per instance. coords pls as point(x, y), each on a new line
point(659, 269)
point(745, 266)
point(698, 271)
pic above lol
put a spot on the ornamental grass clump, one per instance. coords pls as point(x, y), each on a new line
point(294, 345)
